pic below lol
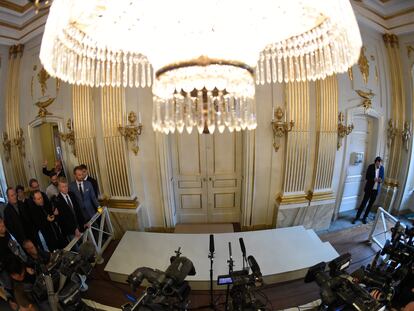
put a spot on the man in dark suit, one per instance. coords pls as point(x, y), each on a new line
point(58, 169)
point(44, 216)
point(89, 178)
point(70, 217)
point(374, 177)
point(85, 194)
point(14, 217)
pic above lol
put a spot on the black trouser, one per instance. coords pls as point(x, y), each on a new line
point(370, 196)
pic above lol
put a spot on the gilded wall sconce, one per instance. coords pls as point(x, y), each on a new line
point(6, 146)
point(406, 135)
point(19, 142)
point(132, 131)
point(391, 133)
point(343, 129)
point(69, 137)
point(280, 127)
point(366, 98)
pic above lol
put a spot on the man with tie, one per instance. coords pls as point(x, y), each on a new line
point(84, 193)
point(70, 217)
point(89, 178)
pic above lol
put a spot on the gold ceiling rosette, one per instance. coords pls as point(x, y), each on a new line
point(201, 57)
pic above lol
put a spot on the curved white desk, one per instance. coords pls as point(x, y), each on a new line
point(282, 254)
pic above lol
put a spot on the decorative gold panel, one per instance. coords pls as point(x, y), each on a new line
point(14, 132)
point(326, 132)
point(113, 114)
point(84, 128)
point(297, 99)
point(397, 107)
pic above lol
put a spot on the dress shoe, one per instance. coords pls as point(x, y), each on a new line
point(353, 221)
point(364, 221)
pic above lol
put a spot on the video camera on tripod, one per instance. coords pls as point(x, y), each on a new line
point(167, 290)
point(338, 290)
point(243, 284)
point(61, 279)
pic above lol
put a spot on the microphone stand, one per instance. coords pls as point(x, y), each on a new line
point(231, 264)
point(211, 257)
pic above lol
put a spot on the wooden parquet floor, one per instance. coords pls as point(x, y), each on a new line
point(282, 295)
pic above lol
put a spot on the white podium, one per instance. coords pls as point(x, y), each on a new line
point(283, 254)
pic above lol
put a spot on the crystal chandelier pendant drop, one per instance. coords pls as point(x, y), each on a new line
point(206, 94)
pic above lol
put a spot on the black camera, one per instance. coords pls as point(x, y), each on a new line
point(61, 280)
point(167, 290)
point(338, 290)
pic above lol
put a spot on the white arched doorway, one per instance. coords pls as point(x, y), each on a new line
point(365, 139)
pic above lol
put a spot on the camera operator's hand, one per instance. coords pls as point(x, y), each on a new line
point(409, 307)
point(30, 271)
point(77, 233)
point(86, 226)
point(50, 218)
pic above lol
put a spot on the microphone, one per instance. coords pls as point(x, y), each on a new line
point(242, 247)
point(254, 266)
point(211, 243)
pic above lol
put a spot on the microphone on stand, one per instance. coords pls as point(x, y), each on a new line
point(211, 244)
point(243, 249)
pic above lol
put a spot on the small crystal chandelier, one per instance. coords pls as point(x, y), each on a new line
point(206, 56)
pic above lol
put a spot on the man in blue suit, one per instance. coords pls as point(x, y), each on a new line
point(84, 193)
point(374, 178)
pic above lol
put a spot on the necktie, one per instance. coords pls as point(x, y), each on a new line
point(81, 190)
point(69, 201)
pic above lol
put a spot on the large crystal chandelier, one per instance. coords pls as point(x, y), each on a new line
point(202, 58)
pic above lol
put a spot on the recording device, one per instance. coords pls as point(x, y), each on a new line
point(242, 285)
point(167, 290)
point(338, 290)
point(61, 280)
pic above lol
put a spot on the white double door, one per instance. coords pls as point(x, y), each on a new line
point(207, 175)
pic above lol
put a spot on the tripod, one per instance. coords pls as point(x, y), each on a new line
point(231, 264)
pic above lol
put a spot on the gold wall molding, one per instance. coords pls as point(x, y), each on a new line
point(132, 131)
point(6, 146)
point(326, 132)
point(15, 169)
point(84, 131)
point(397, 114)
point(119, 203)
point(297, 146)
point(113, 114)
point(280, 127)
point(406, 134)
point(69, 137)
point(363, 65)
point(366, 98)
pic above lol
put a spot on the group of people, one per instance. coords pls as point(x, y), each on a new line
point(37, 222)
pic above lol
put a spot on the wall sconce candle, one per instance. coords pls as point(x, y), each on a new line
point(280, 127)
point(132, 131)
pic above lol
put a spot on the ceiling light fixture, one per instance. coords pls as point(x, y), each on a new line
point(207, 55)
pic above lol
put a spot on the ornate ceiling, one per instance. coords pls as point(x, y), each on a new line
point(19, 23)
